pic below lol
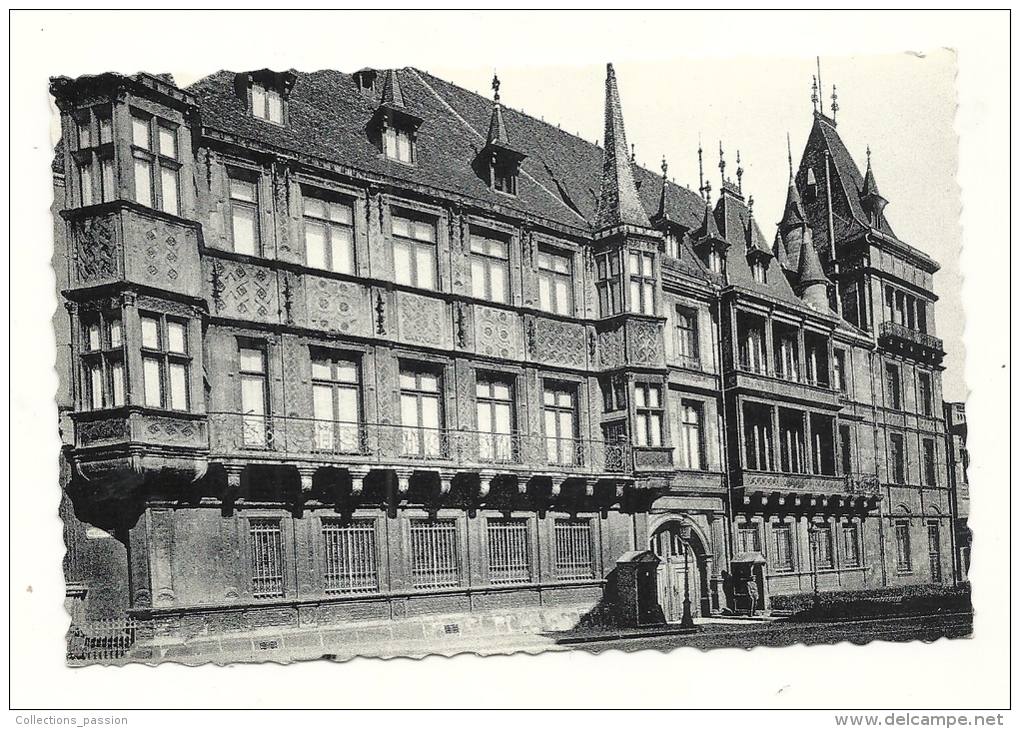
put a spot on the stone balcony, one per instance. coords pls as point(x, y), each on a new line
point(787, 491)
point(910, 343)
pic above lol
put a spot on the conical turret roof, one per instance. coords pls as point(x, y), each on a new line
point(810, 269)
point(618, 199)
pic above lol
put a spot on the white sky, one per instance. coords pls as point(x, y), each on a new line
point(552, 65)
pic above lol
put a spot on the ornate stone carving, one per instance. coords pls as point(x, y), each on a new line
point(96, 252)
point(167, 429)
point(423, 320)
point(162, 251)
point(380, 313)
point(99, 430)
point(248, 292)
point(461, 326)
point(337, 306)
point(611, 348)
point(644, 343)
point(498, 333)
point(561, 343)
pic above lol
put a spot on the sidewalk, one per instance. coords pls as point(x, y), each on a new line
point(606, 633)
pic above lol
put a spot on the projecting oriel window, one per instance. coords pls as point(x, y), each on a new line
point(642, 282)
point(165, 361)
point(156, 165)
point(102, 360)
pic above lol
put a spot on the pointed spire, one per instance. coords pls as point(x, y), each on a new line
point(835, 106)
point(814, 94)
point(709, 228)
point(779, 251)
point(870, 186)
point(497, 128)
point(793, 214)
point(810, 269)
point(740, 175)
point(789, 154)
point(391, 93)
point(871, 199)
point(722, 163)
point(618, 200)
point(701, 169)
point(661, 214)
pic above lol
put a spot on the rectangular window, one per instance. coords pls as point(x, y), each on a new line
point(839, 369)
point(434, 555)
point(823, 456)
point(751, 338)
point(266, 103)
point(266, 558)
point(398, 144)
point(642, 282)
point(555, 283)
point(748, 539)
point(903, 563)
point(102, 360)
point(421, 414)
point(783, 558)
point(758, 437)
point(349, 557)
point(574, 554)
point(329, 234)
point(851, 545)
point(560, 409)
point(823, 547)
point(787, 352)
point(495, 403)
point(845, 449)
point(154, 149)
point(254, 397)
point(244, 216)
point(687, 349)
point(336, 398)
point(648, 412)
point(414, 252)
point(490, 268)
point(892, 386)
point(94, 156)
point(509, 551)
point(165, 362)
point(934, 551)
point(609, 283)
point(691, 449)
point(791, 441)
point(924, 393)
point(928, 448)
point(897, 458)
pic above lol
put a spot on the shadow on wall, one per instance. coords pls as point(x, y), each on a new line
point(630, 598)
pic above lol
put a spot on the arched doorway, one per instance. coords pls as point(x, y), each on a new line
point(668, 545)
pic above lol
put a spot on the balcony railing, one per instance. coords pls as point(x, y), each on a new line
point(892, 330)
point(346, 442)
point(864, 484)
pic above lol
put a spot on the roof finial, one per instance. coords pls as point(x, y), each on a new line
point(633, 153)
point(835, 106)
point(740, 175)
point(868, 152)
point(495, 87)
point(708, 193)
point(814, 93)
point(818, 64)
point(789, 154)
point(750, 206)
point(701, 169)
point(722, 163)
point(665, 166)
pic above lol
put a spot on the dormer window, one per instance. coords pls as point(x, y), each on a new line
point(715, 261)
point(504, 178)
point(758, 272)
point(266, 103)
point(393, 127)
point(365, 79)
point(398, 144)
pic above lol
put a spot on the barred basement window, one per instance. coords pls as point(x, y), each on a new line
point(350, 557)
point(573, 550)
point(851, 546)
point(434, 558)
point(266, 558)
point(509, 552)
point(783, 557)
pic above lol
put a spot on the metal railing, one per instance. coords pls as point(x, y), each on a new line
point(347, 442)
point(100, 640)
point(865, 484)
point(899, 331)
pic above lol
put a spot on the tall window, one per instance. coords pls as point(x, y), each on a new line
point(897, 458)
point(349, 557)
point(156, 165)
point(398, 144)
point(823, 546)
point(329, 234)
point(648, 410)
point(165, 362)
point(751, 338)
point(758, 272)
point(336, 396)
point(851, 545)
point(791, 441)
point(414, 252)
point(244, 215)
point(690, 436)
point(266, 554)
point(928, 448)
point(787, 353)
point(434, 555)
point(903, 563)
point(839, 369)
point(509, 551)
point(609, 283)
point(490, 268)
point(748, 538)
point(102, 360)
point(892, 386)
point(783, 558)
point(823, 456)
point(574, 554)
point(924, 393)
point(94, 157)
point(495, 402)
point(642, 282)
point(715, 261)
point(687, 337)
point(934, 551)
point(560, 407)
point(254, 396)
point(266, 103)
point(421, 413)
point(845, 449)
point(758, 436)
point(555, 285)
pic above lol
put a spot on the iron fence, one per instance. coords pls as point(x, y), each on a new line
point(100, 640)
